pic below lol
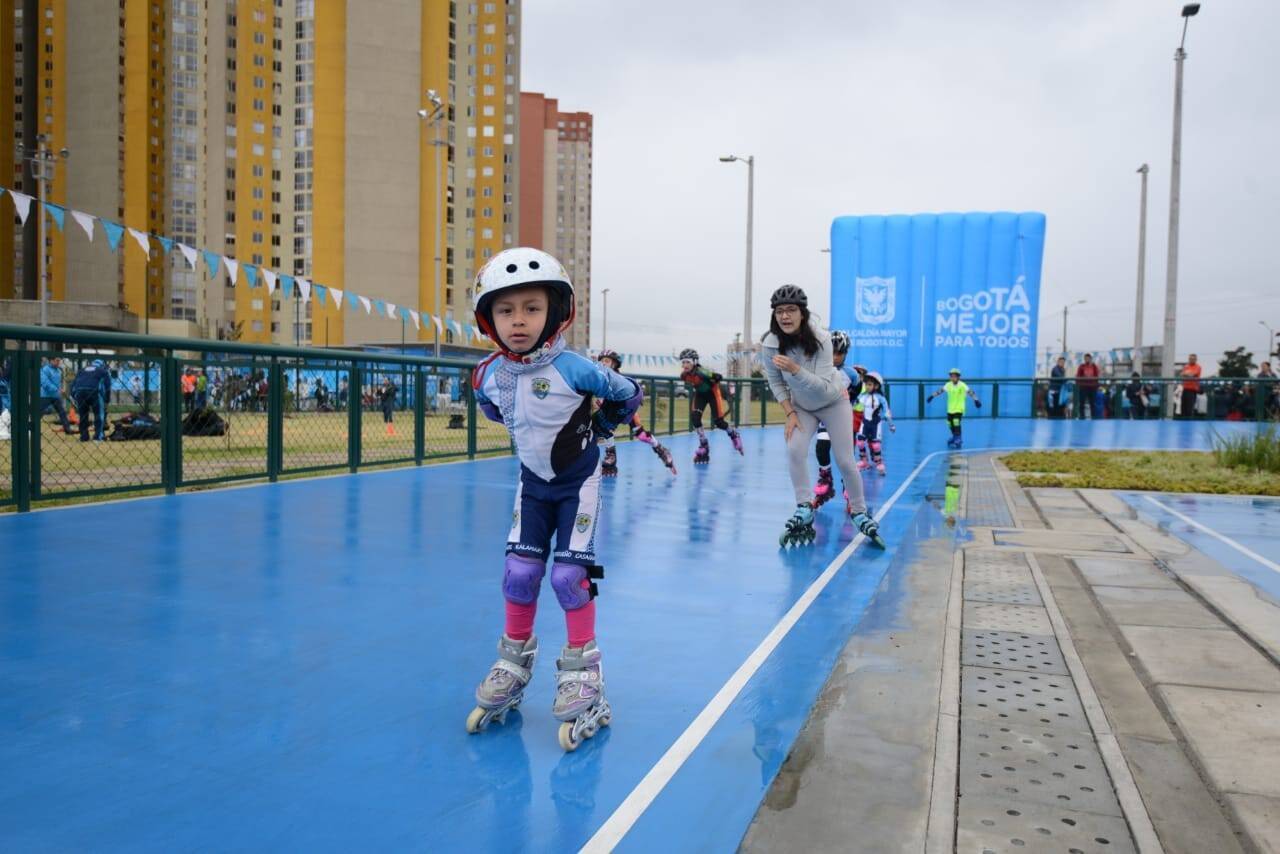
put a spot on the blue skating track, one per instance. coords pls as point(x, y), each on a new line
point(289, 666)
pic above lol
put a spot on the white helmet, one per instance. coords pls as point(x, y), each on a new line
point(523, 267)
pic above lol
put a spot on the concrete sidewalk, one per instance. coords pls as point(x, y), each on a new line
point(1051, 674)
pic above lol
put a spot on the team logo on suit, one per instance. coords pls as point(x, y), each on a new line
point(541, 388)
point(582, 523)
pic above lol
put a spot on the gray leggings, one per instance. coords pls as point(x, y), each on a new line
point(838, 419)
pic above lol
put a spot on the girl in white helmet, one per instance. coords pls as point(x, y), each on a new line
point(543, 393)
point(875, 409)
point(796, 354)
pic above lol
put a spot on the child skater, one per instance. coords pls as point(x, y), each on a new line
point(955, 391)
point(609, 468)
point(542, 393)
point(875, 409)
point(704, 391)
point(825, 489)
point(796, 355)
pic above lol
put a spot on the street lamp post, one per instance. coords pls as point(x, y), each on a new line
point(1175, 186)
point(1271, 340)
point(435, 118)
point(744, 360)
point(43, 163)
point(604, 327)
point(1066, 308)
point(1142, 266)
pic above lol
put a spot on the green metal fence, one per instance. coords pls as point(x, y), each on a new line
point(214, 412)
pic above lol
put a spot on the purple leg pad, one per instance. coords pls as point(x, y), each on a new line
point(521, 579)
point(566, 580)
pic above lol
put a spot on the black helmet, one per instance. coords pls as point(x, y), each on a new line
point(839, 341)
point(690, 354)
point(788, 295)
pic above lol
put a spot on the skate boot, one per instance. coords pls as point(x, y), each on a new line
point(609, 467)
point(951, 443)
point(863, 465)
point(799, 530)
point(702, 456)
point(825, 489)
point(665, 455)
point(736, 438)
point(881, 469)
point(503, 689)
point(580, 702)
point(959, 443)
point(867, 526)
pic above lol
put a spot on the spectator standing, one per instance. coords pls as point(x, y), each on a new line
point(1056, 382)
point(1190, 386)
point(202, 389)
point(51, 392)
point(343, 393)
point(387, 398)
point(1136, 393)
point(90, 391)
point(188, 390)
point(1086, 387)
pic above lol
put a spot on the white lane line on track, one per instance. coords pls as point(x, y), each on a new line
point(1243, 549)
point(648, 789)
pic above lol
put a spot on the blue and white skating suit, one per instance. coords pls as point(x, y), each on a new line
point(547, 407)
point(875, 408)
point(855, 388)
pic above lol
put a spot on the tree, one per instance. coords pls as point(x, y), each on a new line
point(1235, 363)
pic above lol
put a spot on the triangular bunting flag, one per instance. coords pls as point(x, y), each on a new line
point(270, 278)
point(304, 288)
point(166, 243)
point(321, 290)
point(142, 240)
point(286, 284)
point(250, 274)
point(189, 253)
point(86, 222)
point(58, 212)
point(457, 327)
point(22, 202)
point(416, 318)
point(335, 294)
point(114, 232)
point(390, 308)
point(212, 260)
point(439, 325)
point(379, 305)
point(233, 267)
point(351, 299)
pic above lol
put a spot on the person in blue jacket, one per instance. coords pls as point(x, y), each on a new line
point(51, 392)
point(543, 394)
point(90, 391)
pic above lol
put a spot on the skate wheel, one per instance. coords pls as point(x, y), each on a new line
point(475, 720)
point(567, 744)
point(606, 718)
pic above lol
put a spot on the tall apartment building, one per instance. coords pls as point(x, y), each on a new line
point(283, 133)
point(555, 195)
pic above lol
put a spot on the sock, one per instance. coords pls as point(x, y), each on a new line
point(581, 624)
point(520, 620)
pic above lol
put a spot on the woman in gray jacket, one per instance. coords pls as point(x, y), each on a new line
point(797, 362)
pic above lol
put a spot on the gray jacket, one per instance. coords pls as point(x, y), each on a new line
point(817, 385)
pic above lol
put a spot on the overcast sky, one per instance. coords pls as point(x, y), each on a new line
point(856, 107)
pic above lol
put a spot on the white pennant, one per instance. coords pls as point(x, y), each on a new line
point(391, 310)
point(189, 253)
point(142, 239)
point(439, 325)
point(415, 317)
point(364, 301)
point(233, 267)
point(85, 221)
point(22, 202)
point(304, 288)
point(337, 296)
point(271, 280)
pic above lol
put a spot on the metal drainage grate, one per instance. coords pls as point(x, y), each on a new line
point(982, 572)
point(999, 591)
point(1012, 650)
point(996, 826)
point(1015, 698)
point(985, 616)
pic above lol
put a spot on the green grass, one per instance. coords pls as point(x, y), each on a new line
point(1258, 451)
point(1156, 471)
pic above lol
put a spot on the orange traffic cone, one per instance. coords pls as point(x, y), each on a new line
point(391, 429)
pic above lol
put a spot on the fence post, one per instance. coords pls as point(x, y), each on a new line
point(920, 404)
point(472, 424)
point(653, 405)
point(995, 400)
point(355, 416)
point(37, 413)
point(20, 426)
point(764, 404)
point(170, 424)
point(671, 407)
point(419, 415)
point(275, 418)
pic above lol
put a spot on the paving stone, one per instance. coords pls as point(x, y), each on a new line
point(1009, 594)
point(1210, 658)
point(1140, 606)
point(1123, 573)
point(1260, 818)
point(1009, 618)
point(1060, 541)
point(1235, 735)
